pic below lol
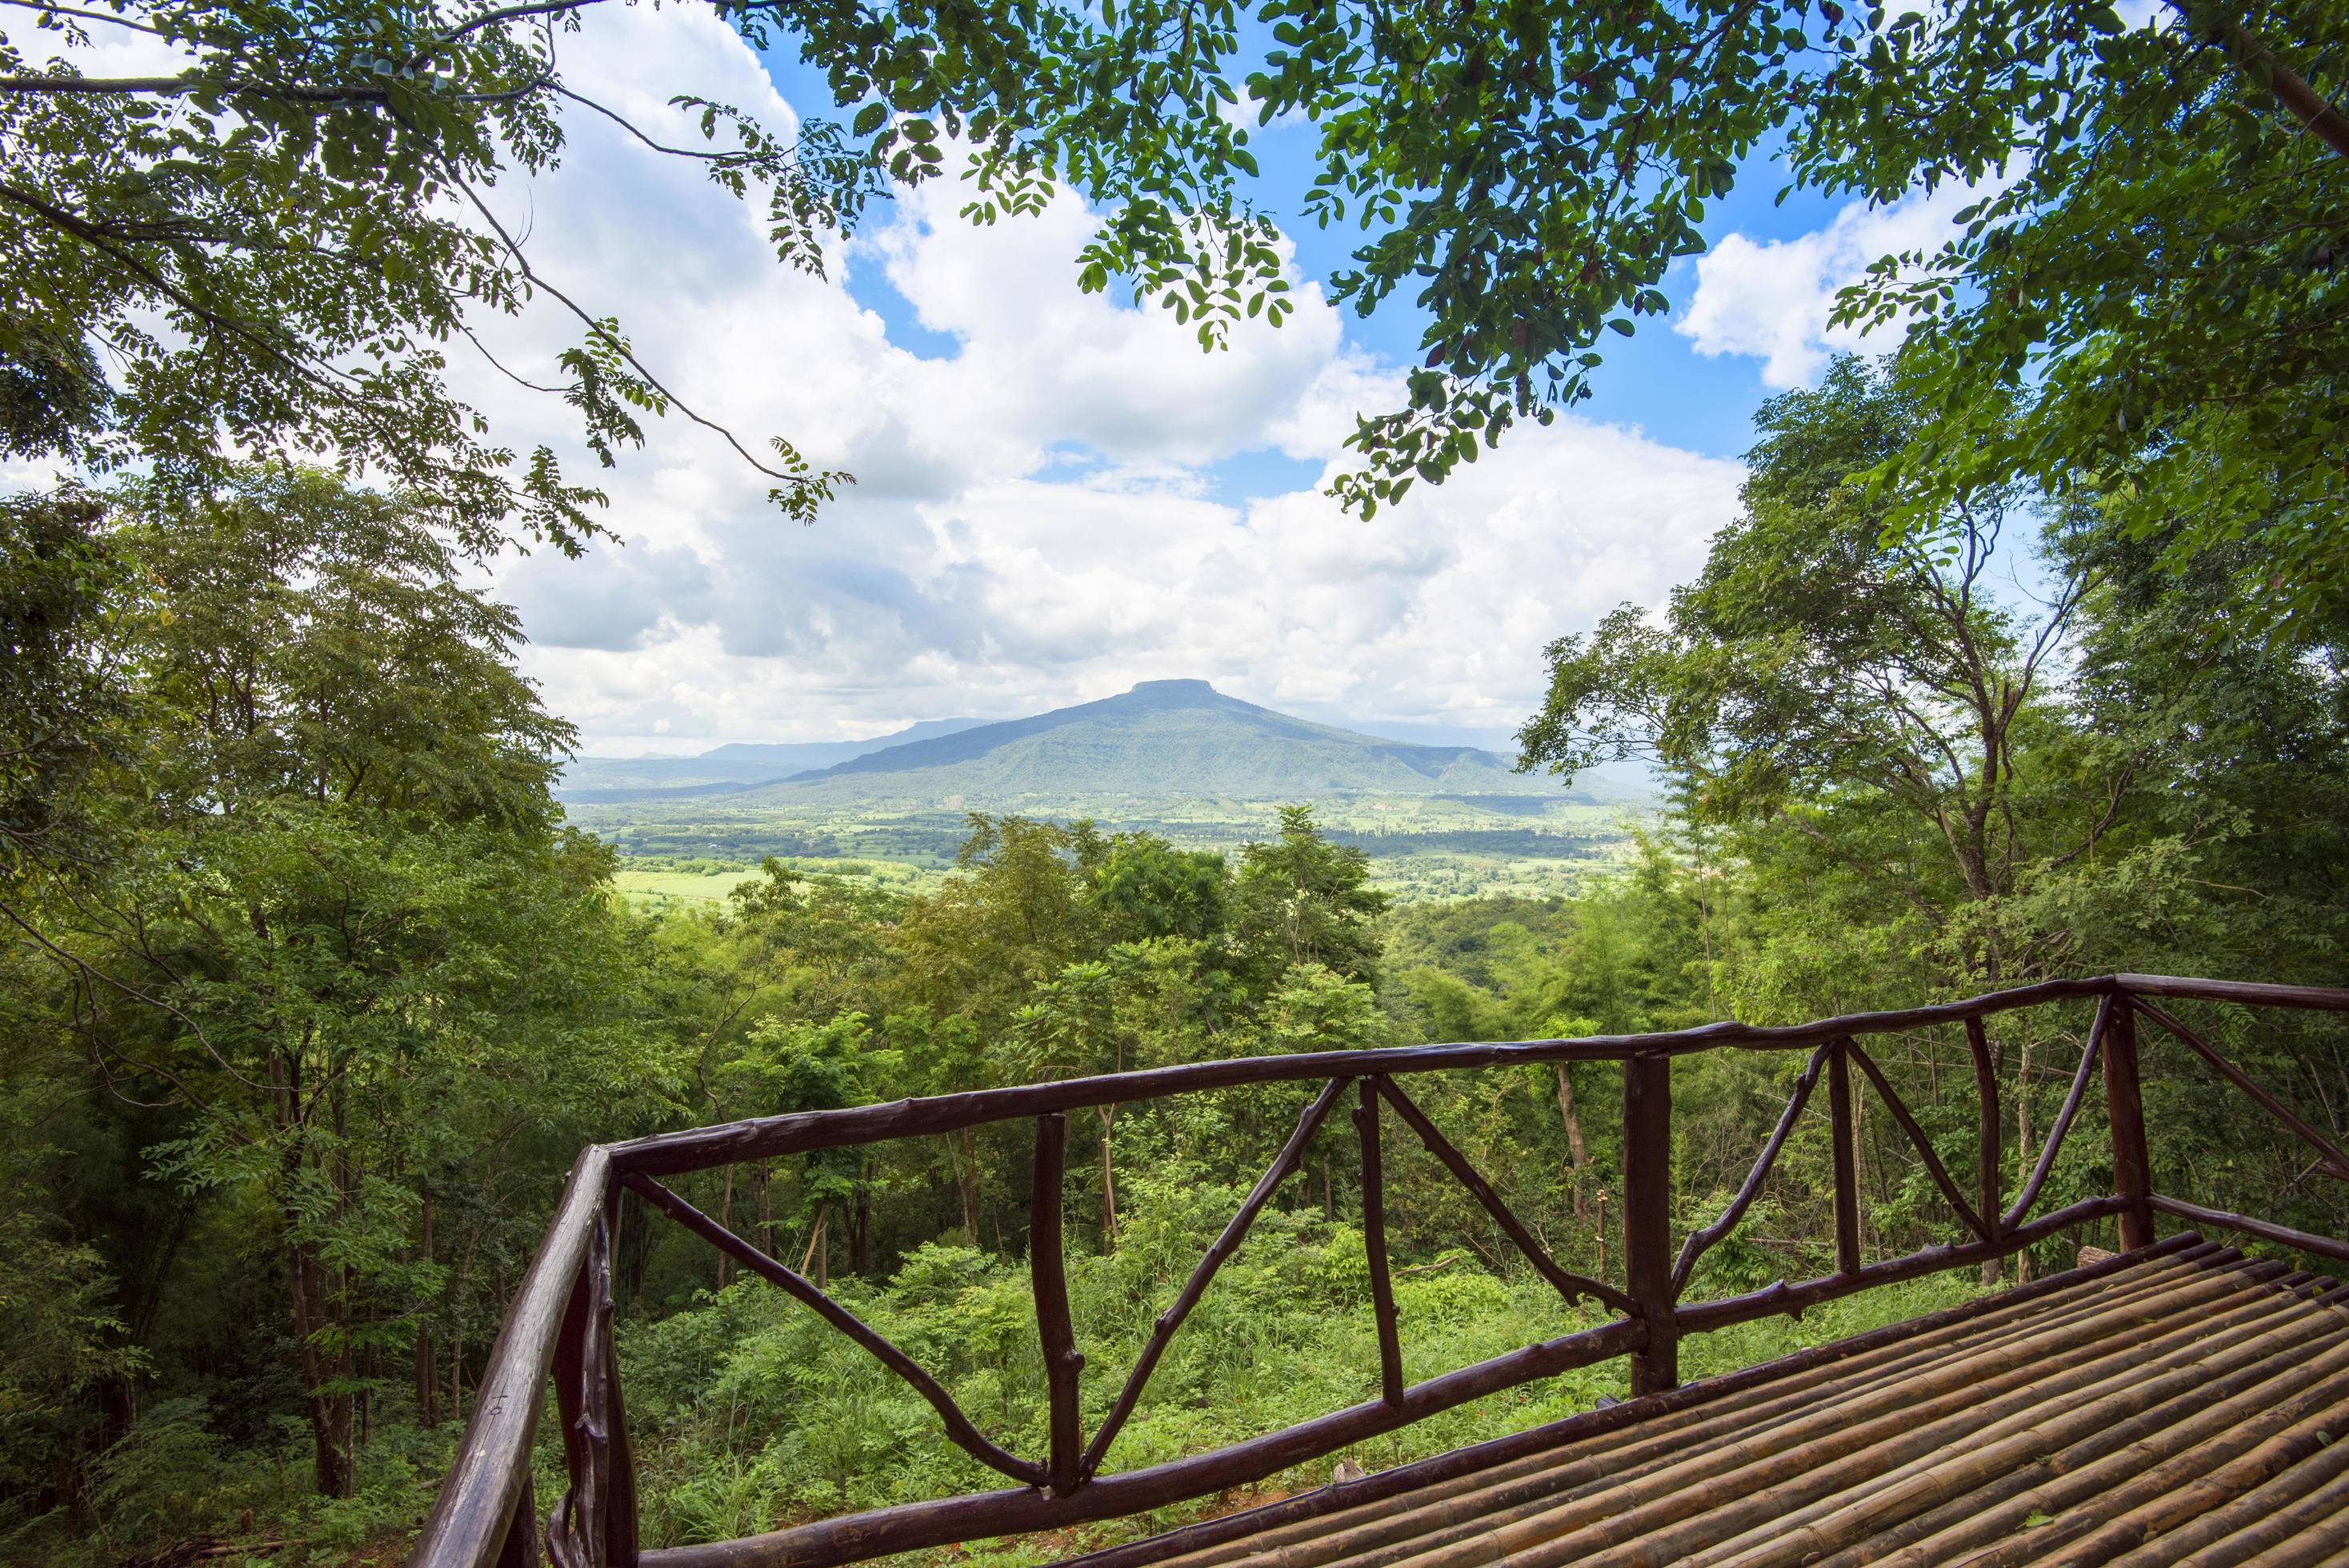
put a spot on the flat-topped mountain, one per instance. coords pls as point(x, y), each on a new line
point(1172, 739)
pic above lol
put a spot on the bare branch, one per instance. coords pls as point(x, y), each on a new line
point(184, 86)
point(89, 971)
point(522, 265)
point(629, 126)
point(508, 13)
point(76, 11)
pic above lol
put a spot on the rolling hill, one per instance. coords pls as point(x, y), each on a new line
point(1162, 740)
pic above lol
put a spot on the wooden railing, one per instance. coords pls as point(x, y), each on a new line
point(561, 1321)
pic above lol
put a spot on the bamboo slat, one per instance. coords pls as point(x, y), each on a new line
point(2001, 1464)
point(1667, 1440)
point(2300, 1499)
point(1413, 1517)
point(2242, 1467)
point(2174, 1409)
point(2123, 1480)
point(2125, 1386)
point(1948, 1396)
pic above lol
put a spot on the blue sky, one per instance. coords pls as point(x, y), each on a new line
point(1058, 495)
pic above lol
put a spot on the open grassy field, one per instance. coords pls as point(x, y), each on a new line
point(660, 881)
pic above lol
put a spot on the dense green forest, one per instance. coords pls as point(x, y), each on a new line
point(312, 996)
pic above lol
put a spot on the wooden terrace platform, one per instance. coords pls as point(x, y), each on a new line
point(2183, 1406)
point(2178, 1403)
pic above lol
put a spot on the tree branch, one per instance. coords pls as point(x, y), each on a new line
point(2256, 60)
point(522, 265)
point(184, 86)
point(508, 13)
point(76, 11)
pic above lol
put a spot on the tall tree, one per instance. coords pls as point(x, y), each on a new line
point(2153, 269)
point(344, 939)
point(1300, 899)
point(1820, 667)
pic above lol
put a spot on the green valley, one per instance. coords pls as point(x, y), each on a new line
point(1177, 759)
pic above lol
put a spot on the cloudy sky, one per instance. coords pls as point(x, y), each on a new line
point(1058, 496)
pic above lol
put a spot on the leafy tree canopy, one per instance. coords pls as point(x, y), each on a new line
point(1899, 712)
point(311, 904)
point(2154, 273)
point(1300, 899)
point(276, 241)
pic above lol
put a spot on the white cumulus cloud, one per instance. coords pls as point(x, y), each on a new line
point(1041, 516)
point(1771, 299)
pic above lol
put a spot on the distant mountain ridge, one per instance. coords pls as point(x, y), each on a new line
point(727, 769)
point(1164, 740)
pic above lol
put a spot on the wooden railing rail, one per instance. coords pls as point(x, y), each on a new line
point(561, 1322)
point(959, 1427)
point(1569, 1284)
point(484, 1512)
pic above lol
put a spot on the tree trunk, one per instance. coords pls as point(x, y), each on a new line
point(815, 1240)
point(766, 1209)
point(725, 1217)
point(1577, 1155)
point(1109, 1184)
point(1992, 1269)
point(427, 1382)
point(966, 1171)
point(428, 1372)
point(330, 1413)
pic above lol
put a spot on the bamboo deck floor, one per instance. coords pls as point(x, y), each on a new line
point(2189, 1408)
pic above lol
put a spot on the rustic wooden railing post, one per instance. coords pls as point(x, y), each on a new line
point(594, 1523)
point(1374, 1244)
point(620, 1537)
point(520, 1548)
point(1048, 1268)
point(2125, 1114)
point(1647, 1217)
point(1990, 1159)
point(1846, 1159)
